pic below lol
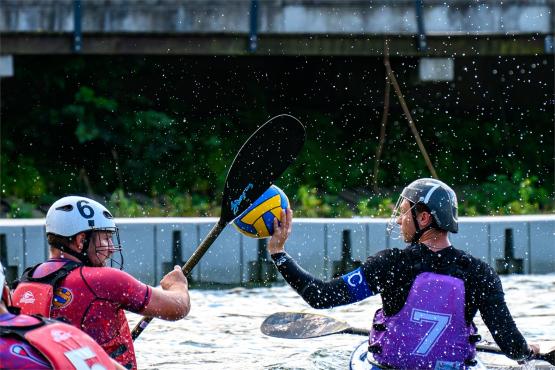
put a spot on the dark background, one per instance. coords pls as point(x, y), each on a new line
point(155, 128)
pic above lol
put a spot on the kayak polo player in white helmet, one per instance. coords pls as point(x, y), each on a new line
point(76, 285)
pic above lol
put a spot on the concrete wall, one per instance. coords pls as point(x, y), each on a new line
point(315, 243)
point(281, 16)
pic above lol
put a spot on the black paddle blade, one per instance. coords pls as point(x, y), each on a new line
point(299, 325)
point(261, 161)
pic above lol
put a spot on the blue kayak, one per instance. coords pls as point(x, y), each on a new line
point(362, 360)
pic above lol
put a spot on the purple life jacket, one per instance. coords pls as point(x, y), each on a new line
point(430, 331)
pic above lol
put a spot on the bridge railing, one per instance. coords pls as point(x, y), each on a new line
point(524, 244)
point(401, 17)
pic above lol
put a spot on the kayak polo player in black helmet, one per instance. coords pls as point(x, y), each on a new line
point(430, 290)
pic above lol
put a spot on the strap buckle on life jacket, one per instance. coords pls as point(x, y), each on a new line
point(379, 327)
point(474, 338)
point(375, 349)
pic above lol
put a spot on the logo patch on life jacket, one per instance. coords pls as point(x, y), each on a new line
point(62, 297)
point(27, 298)
point(60, 335)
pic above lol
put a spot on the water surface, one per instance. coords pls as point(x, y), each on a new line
point(223, 329)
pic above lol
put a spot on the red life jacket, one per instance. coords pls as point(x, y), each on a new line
point(34, 295)
point(63, 345)
point(42, 291)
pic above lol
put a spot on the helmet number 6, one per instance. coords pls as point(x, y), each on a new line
point(84, 209)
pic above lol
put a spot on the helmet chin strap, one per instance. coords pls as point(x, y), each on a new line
point(419, 232)
point(81, 256)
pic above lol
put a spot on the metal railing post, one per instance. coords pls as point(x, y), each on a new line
point(253, 29)
point(422, 44)
point(77, 37)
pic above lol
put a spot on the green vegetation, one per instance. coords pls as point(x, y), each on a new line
point(155, 136)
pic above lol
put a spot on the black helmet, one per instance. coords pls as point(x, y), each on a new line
point(439, 198)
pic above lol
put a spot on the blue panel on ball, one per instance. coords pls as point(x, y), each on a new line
point(268, 218)
point(246, 229)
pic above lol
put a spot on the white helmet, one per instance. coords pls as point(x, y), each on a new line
point(74, 214)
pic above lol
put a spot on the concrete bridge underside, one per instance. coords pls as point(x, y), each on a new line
point(270, 44)
point(278, 27)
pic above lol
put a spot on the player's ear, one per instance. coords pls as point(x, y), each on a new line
point(80, 241)
point(425, 218)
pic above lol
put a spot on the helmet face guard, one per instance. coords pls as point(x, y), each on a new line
point(73, 215)
point(106, 244)
point(393, 229)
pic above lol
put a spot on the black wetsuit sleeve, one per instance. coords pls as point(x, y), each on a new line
point(317, 293)
point(498, 319)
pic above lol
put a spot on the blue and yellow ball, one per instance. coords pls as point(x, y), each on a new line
point(257, 221)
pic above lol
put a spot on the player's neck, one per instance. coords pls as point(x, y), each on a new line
point(58, 254)
point(435, 240)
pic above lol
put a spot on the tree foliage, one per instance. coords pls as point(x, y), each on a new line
point(154, 136)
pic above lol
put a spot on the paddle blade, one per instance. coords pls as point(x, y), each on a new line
point(299, 325)
point(260, 162)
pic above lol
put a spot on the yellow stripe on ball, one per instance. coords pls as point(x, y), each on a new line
point(261, 228)
point(256, 214)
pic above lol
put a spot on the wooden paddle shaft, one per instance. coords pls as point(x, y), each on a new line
point(203, 247)
point(187, 268)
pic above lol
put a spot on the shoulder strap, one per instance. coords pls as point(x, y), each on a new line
point(458, 269)
point(418, 263)
point(461, 266)
point(53, 278)
point(20, 330)
point(27, 273)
